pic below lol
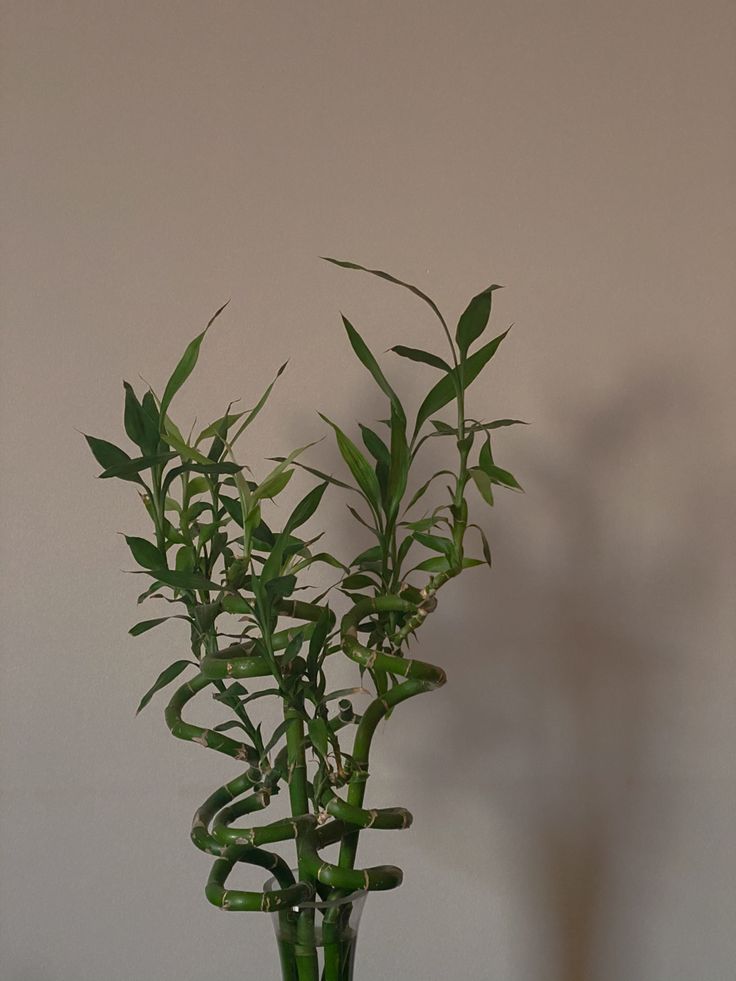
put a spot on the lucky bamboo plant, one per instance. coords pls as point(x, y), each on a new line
point(233, 577)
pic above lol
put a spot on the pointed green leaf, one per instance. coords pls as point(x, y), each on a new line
point(358, 580)
point(128, 468)
point(319, 735)
point(185, 451)
point(433, 565)
point(358, 517)
point(499, 476)
point(145, 553)
point(210, 469)
point(258, 406)
point(358, 465)
point(133, 419)
point(236, 604)
point(475, 319)
point(447, 388)
point(108, 455)
point(144, 625)
point(305, 508)
point(275, 737)
point(185, 366)
point(398, 473)
point(364, 355)
point(391, 279)
point(272, 485)
point(164, 679)
point(375, 445)
point(425, 487)
point(181, 579)
point(423, 357)
point(328, 478)
point(151, 423)
point(220, 426)
point(483, 483)
point(437, 544)
point(485, 459)
point(484, 543)
point(440, 564)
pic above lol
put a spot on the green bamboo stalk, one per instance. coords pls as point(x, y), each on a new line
point(305, 951)
point(422, 677)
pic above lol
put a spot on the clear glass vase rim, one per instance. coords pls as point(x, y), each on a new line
point(272, 884)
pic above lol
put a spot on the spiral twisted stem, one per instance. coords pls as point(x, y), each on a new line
point(213, 830)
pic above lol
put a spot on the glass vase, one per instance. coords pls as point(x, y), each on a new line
point(316, 940)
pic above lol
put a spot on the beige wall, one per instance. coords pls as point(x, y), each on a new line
point(574, 784)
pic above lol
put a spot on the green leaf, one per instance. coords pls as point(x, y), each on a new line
point(258, 406)
point(369, 556)
point(447, 388)
point(272, 485)
point(440, 564)
point(281, 587)
point(341, 692)
point(425, 487)
point(317, 643)
point(497, 424)
point(150, 423)
point(275, 737)
point(403, 552)
point(398, 473)
point(293, 647)
point(186, 559)
point(358, 580)
point(319, 557)
point(220, 426)
point(108, 455)
point(375, 445)
point(210, 469)
point(364, 355)
point(127, 469)
point(198, 485)
point(483, 483)
point(484, 543)
point(182, 579)
point(391, 279)
point(328, 478)
point(133, 418)
point(424, 357)
point(145, 553)
point(437, 544)
point(485, 459)
point(185, 366)
point(164, 679)
point(496, 474)
point(305, 508)
point(236, 604)
point(358, 465)
point(424, 524)
point(319, 735)
point(185, 451)
point(144, 625)
point(358, 517)
point(475, 319)
point(500, 476)
point(232, 724)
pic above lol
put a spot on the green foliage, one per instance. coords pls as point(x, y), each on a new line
point(241, 577)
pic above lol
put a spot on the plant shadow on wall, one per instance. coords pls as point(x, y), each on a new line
point(574, 646)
